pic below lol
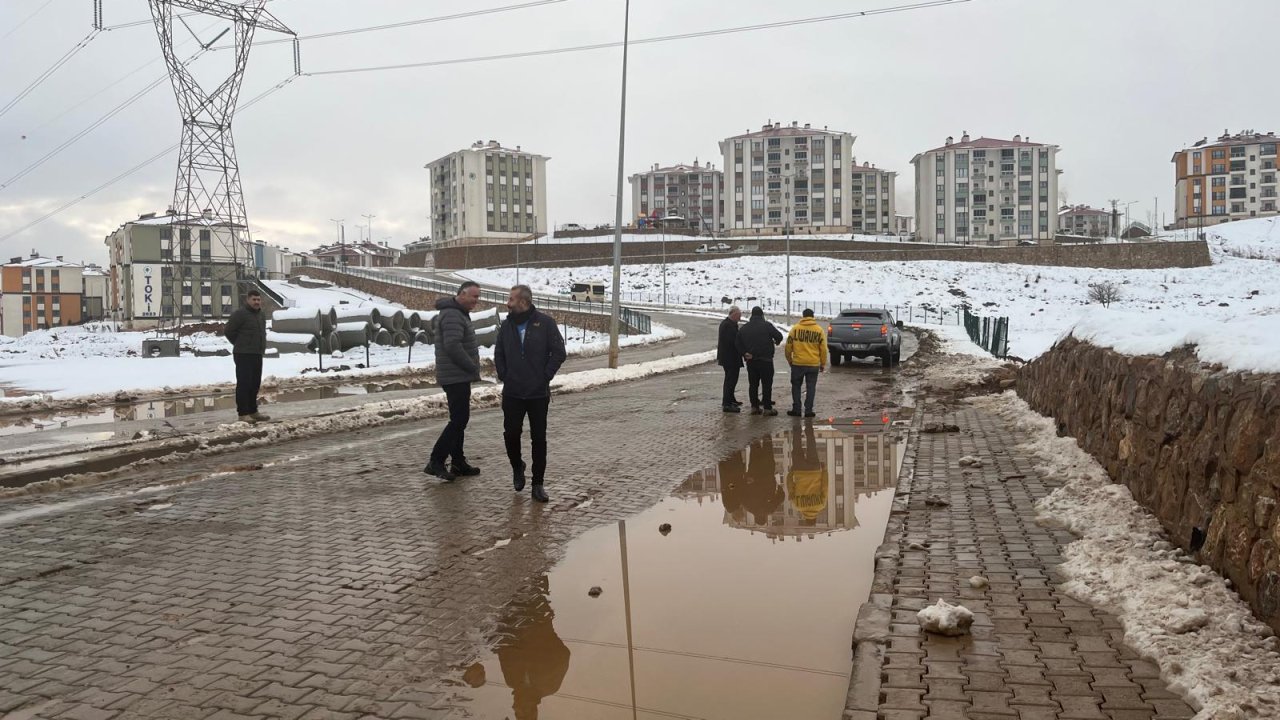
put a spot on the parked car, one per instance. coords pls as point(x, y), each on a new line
point(863, 333)
point(719, 247)
point(1024, 243)
point(571, 227)
point(590, 291)
point(701, 248)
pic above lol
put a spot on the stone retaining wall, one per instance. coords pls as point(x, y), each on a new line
point(419, 299)
point(1110, 255)
point(1197, 445)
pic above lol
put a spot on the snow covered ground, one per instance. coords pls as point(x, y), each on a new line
point(1257, 239)
point(78, 362)
point(1209, 646)
point(1232, 308)
point(628, 237)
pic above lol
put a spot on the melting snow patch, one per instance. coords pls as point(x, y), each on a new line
point(977, 582)
point(1209, 646)
point(944, 618)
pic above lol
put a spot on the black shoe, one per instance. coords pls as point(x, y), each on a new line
point(770, 412)
point(517, 478)
point(464, 468)
point(439, 470)
point(811, 414)
point(793, 413)
point(735, 402)
point(755, 411)
point(732, 409)
point(539, 493)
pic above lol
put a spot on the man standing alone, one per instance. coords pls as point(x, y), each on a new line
point(756, 342)
point(807, 352)
point(457, 366)
point(247, 331)
point(528, 354)
point(728, 358)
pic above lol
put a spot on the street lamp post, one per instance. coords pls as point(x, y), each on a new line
point(667, 219)
point(786, 233)
point(616, 307)
point(341, 230)
point(369, 227)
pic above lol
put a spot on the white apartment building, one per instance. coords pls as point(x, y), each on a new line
point(1085, 221)
point(1233, 178)
point(488, 194)
point(996, 192)
point(690, 192)
point(157, 278)
point(788, 176)
point(873, 205)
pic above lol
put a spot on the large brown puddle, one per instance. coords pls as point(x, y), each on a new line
point(743, 611)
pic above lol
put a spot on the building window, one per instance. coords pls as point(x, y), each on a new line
point(1219, 154)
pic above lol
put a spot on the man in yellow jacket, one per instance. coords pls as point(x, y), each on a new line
point(806, 351)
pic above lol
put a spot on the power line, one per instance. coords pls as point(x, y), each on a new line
point(409, 23)
point(66, 57)
point(138, 23)
point(134, 169)
point(664, 38)
point(26, 20)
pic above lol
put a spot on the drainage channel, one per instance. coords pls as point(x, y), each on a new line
point(734, 598)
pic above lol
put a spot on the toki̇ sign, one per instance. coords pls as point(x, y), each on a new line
point(146, 291)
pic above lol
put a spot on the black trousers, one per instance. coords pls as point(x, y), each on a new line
point(248, 382)
point(760, 383)
point(730, 384)
point(449, 446)
point(514, 411)
point(808, 377)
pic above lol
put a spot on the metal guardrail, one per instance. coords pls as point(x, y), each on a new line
point(989, 333)
point(632, 321)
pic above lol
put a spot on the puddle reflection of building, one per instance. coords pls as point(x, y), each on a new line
point(800, 482)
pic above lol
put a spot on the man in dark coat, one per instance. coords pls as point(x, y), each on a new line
point(247, 331)
point(528, 354)
point(727, 357)
point(756, 342)
point(457, 366)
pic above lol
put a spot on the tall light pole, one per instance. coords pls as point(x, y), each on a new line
point(616, 307)
point(341, 231)
point(666, 220)
point(786, 233)
point(369, 227)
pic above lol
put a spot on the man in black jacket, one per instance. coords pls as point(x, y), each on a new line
point(247, 331)
point(756, 342)
point(457, 366)
point(727, 357)
point(528, 354)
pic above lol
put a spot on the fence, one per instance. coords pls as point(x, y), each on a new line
point(924, 313)
point(631, 320)
point(990, 333)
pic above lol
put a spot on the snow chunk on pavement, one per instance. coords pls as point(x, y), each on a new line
point(1185, 617)
point(945, 619)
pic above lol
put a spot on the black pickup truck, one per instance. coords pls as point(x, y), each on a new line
point(863, 333)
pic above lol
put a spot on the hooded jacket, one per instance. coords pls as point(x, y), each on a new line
point(727, 344)
point(457, 355)
point(526, 366)
point(807, 344)
point(247, 331)
point(758, 337)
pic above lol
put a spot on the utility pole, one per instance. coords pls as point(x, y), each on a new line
point(1115, 219)
point(338, 228)
point(616, 307)
point(369, 227)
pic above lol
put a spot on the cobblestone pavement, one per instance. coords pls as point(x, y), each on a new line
point(1034, 653)
point(700, 336)
point(328, 577)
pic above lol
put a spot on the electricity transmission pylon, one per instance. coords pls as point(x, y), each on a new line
point(207, 193)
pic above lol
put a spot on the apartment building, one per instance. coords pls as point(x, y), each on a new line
point(690, 192)
point(1085, 221)
point(488, 194)
point(37, 293)
point(873, 206)
point(273, 262)
point(788, 176)
point(1232, 178)
point(361, 254)
point(987, 190)
point(165, 268)
point(904, 225)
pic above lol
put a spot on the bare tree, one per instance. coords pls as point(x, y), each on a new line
point(1105, 292)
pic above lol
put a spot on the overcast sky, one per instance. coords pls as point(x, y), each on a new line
point(1118, 84)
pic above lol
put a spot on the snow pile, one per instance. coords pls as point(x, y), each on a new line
point(1208, 644)
point(587, 379)
point(944, 618)
point(330, 295)
point(1257, 238)
point(1246, 343)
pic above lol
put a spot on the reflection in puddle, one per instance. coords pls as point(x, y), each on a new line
point(745, 610)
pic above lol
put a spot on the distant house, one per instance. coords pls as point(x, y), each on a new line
point(361, 254)
point(1084, 221)
point(1136, 230)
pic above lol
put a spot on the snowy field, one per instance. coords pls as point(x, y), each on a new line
point(1230, 309)
point(628, 237)
point(78, 362)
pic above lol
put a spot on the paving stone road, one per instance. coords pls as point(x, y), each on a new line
point(1035, 653)
point(329, 578)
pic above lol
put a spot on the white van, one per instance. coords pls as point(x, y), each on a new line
point(590, 291)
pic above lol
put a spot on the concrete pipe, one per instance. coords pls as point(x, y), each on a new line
point(335, 342)
point(291, 342)
point(487, 336)
point(349, 313)
point(400, 338)
point(391, 318)
point(328, 319)
point(421, 337)
point(297, 321)
point(353, 334)
point(382, 337)
point(485, 318)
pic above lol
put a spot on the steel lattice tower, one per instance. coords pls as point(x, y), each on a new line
point(208, 189)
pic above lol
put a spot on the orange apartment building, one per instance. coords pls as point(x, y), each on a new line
point(1232, 178)
point(38, 293)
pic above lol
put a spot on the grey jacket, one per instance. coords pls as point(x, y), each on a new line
point(247, 331)
point(457, 355)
